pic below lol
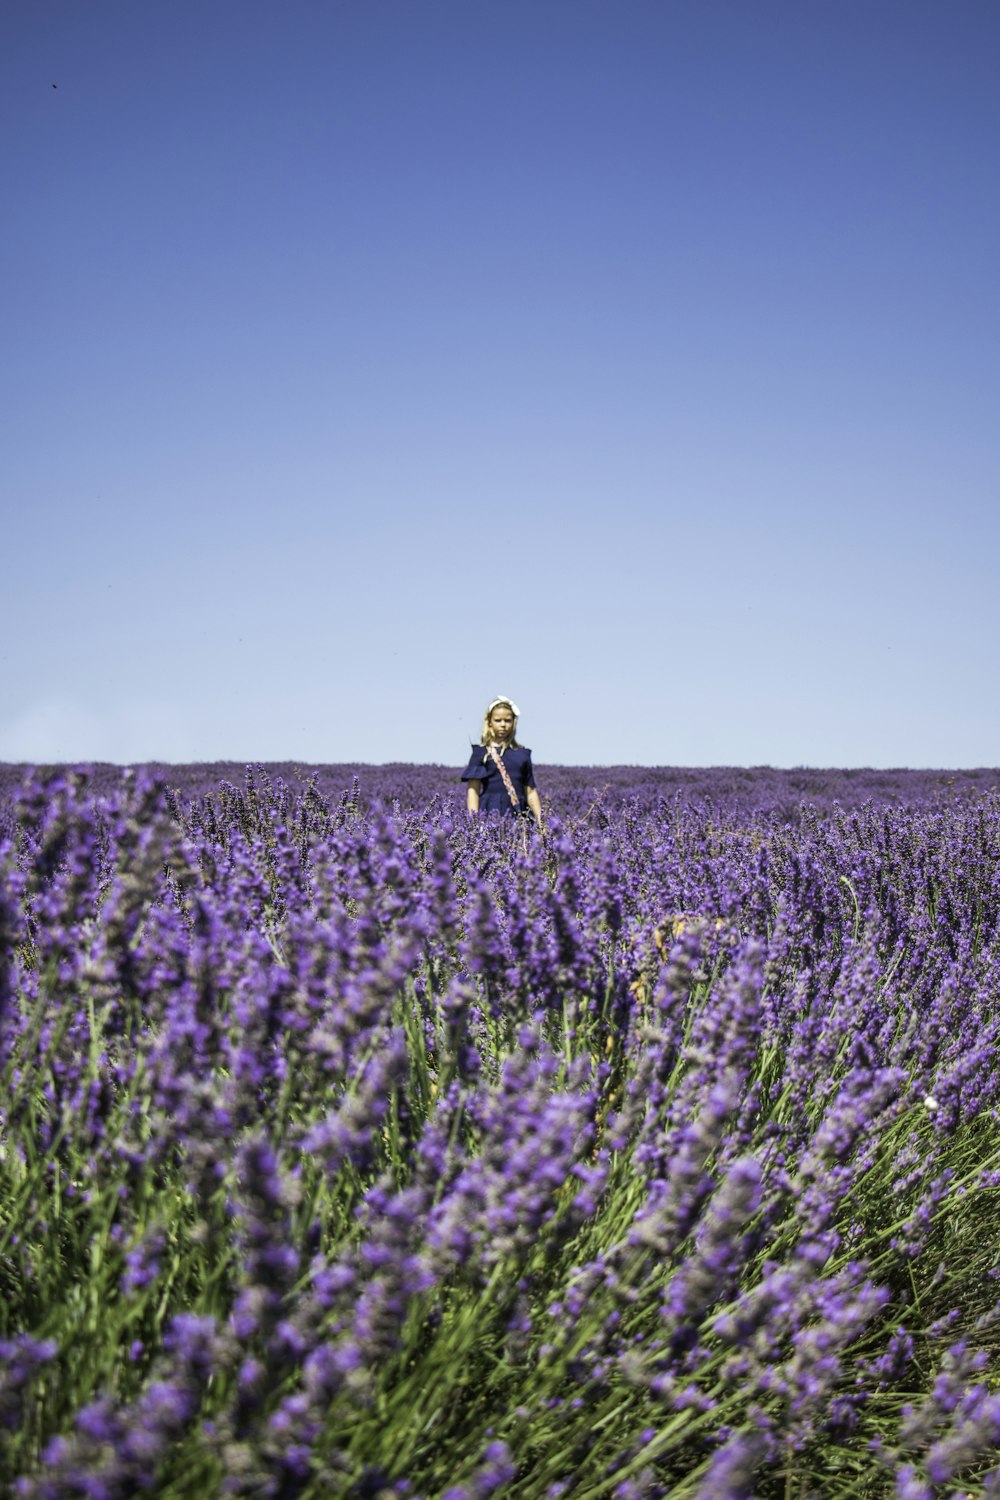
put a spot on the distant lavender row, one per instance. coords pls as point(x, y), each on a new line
point(572, 789)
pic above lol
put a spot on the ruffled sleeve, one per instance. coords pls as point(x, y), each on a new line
point(475, 770)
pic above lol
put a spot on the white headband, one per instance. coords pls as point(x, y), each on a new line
point(503, 699)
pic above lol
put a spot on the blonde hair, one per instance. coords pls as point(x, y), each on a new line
point(488, 737)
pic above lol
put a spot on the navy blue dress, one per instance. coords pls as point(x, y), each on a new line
point(494, 796)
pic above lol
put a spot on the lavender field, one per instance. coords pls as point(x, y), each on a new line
point(349, 1147)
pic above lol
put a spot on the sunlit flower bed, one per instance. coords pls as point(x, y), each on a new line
point(352, 1148)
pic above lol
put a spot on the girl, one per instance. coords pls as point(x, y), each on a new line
point(500, 774)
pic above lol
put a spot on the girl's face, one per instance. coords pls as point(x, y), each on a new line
point(502, 722)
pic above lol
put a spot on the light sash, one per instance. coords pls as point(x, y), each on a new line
point(491, 750)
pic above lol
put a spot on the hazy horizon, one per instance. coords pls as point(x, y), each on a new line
point(293, 762)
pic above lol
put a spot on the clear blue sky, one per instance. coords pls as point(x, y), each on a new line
point(362, 359)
